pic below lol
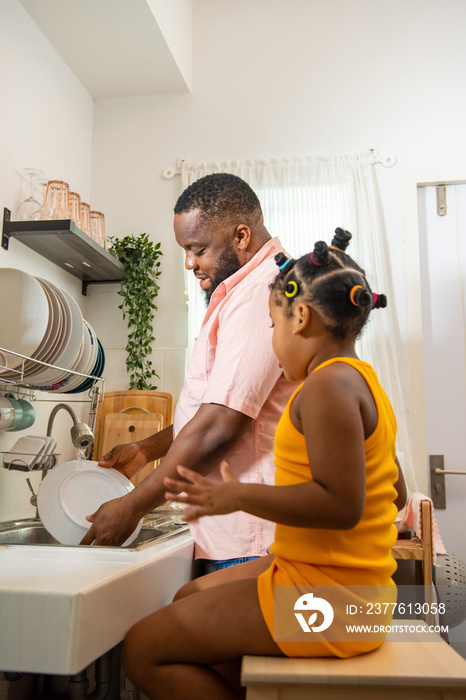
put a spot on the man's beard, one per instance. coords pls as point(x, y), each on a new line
point(228, 265)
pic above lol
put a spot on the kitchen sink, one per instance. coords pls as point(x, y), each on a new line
point(158, 525)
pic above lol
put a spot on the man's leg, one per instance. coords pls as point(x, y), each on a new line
point(208, 566)
point(249, 569)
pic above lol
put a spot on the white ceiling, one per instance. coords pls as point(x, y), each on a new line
point(115, 47)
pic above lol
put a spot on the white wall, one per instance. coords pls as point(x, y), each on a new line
point(175, 21)
point(128, 151)
point(46, 122)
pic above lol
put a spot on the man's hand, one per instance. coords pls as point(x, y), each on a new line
point(128, 459)
point(112, 523)
point(204, 497)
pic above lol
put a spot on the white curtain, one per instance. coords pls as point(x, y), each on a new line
point(303, 201)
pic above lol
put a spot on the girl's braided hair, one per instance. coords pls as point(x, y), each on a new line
point(331, 281)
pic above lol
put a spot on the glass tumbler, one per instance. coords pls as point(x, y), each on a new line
point(86, 218)
point(98, 227)
point(56, 201)
point(75, 208)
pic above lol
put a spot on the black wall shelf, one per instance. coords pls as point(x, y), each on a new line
point(62, 242)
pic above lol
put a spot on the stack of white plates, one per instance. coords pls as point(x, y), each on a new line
point(45, 323)
point(24, 311)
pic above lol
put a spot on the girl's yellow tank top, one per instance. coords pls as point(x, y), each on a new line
point(359, 556)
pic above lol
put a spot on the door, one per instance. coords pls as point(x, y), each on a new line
point(443, 283)
point(443, 286)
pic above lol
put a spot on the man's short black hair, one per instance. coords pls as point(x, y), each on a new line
point(220, 196)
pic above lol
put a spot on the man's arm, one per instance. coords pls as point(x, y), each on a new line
point(131, 457)
point(400, 486)
point(200, 445)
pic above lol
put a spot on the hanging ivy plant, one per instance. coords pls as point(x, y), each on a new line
point(139, 288)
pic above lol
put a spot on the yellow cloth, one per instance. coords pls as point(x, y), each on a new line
point(359, 556)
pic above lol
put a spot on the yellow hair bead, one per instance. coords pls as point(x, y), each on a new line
point(291, 289)
point(352, 293)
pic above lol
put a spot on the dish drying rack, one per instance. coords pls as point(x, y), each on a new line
point(21, 381)
point(46, 462)
point(20, 388)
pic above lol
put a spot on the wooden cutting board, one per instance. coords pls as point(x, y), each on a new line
point(122, 428)
point(134, 402)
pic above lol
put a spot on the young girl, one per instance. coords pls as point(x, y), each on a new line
point(338, 487)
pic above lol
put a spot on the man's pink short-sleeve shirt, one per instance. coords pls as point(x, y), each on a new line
point(233, 364)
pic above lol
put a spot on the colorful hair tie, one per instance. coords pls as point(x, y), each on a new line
point(284, 264)
point(291, 289)
point(376, 296)
point(353, 292)
point(315, 262)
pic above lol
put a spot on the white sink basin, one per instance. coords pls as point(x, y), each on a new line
point(63, 607)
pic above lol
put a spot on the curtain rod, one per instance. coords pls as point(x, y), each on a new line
point(168, 173)
point(373, 153)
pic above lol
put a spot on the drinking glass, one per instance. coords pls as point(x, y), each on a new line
point(98, 227)
point(30, 205)
point(75, 208)
point(86, 218)
point(57, 201)
point(40, 184)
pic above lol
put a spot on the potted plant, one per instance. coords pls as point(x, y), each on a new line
point(139, 288)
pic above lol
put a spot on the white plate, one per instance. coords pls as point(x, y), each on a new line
point(24, 318)
point(73, 490)
point(70, 348)
point(58, 327)
point(86, 362)
point(41, 353)
point(82, 363)
point(55, 338)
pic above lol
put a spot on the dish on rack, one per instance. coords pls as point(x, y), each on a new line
point(73, 490)
point(25, 453)
point(67, 344)
point(67, 352)
point(24, 318)
point(96, 371)
point(85, 363)
point(41, 351)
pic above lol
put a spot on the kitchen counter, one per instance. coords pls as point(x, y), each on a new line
point(63, 607)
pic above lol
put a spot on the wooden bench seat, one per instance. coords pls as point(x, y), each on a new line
point(408, 666)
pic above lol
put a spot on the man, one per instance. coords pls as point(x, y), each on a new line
point(234, 392)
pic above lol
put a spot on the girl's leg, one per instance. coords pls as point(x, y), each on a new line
point(249, 569)
point(170, 654)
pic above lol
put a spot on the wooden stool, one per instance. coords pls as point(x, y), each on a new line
point(422, 554)
point(408, 666)
point(414, 550)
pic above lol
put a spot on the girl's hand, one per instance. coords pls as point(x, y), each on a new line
point(203, 496)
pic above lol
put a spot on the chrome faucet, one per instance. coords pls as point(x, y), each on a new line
point(81, 434)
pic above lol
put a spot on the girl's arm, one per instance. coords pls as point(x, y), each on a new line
point(330, 416)
point(288, 505)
